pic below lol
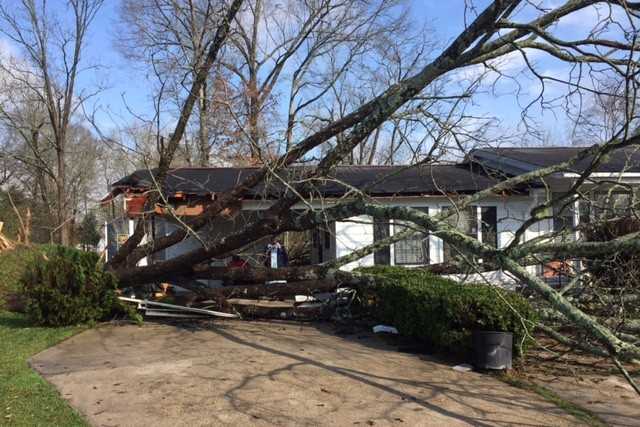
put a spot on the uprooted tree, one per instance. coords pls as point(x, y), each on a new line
point(601, 64)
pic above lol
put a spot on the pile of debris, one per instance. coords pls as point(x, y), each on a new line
point(160, 309)
point(5, 243)
point(177, 302)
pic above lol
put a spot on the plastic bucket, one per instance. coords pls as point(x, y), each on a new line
point(492, 350)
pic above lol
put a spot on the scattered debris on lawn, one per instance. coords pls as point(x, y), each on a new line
point(173, 300)
point(463, 368)
point(280, 309)
point(384, 328)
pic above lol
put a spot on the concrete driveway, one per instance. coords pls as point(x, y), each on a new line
point(258, 373)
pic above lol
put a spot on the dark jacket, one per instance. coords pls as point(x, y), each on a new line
point(283, 258)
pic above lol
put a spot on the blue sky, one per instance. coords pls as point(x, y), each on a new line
point(126, 82)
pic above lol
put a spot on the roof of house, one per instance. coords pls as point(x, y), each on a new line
point(515, 160)
point(482, 169)
point(377, 181)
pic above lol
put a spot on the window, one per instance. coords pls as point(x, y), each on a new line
point(563, 216)
point(413, 250)
point(595, 206)
point(315, 244)
point(380, 232)
point(613, 204)
point(465, 220)
point(489, 225)
point(479, 222)
point(584, 210)
point(322, 238)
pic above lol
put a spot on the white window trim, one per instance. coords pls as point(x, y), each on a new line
point(392, 231)
point(604, 175)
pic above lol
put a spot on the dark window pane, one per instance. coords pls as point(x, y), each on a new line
point(413, 250)
point(584, 209)
point(380, 232)
point(316, 243)
point(489, 217)
point(563, 216)
point(465, 220)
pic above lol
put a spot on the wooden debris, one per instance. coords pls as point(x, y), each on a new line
point(5, 243)
point(284, 310)
point(160, 308)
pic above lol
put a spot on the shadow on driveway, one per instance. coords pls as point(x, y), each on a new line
point(263, 373)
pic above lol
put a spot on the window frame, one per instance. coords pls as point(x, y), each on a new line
point(425, 244)
point(478, 227)
point(558, 213)
point(383, 255)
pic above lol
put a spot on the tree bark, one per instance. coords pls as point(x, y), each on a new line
point(203, 127)
point(61, 196)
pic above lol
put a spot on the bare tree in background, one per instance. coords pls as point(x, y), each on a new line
point(172, 38)
point(300, 48)
point(605, 112)
point(52, 58)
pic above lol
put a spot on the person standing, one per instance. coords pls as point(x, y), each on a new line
point(276, 254)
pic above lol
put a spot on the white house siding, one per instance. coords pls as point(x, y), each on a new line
point(358, 231)
point(493, 277)
point(511, 213)
point(164, 228)
point(354, 235)
point(216, 229)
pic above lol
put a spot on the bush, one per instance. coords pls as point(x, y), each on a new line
point(69, 287)
point(441, 313)
point(13, 264)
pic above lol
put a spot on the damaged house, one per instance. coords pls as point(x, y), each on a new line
point(431, 188)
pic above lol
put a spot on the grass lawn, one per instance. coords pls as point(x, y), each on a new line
point(25, 397)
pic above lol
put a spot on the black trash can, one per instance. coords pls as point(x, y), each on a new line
point(492, 350)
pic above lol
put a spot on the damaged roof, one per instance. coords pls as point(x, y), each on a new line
point(516, 160)
point(482, 169)
point(377, 181)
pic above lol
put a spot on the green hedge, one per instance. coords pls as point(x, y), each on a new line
point(68, 287)
point(442, 313)
point(13, 264)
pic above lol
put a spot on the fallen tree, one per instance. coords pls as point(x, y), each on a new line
point(495, 33)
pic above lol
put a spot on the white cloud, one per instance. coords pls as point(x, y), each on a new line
point(510, 65)
point(6, 49)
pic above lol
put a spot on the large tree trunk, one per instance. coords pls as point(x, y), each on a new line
point(64, 224)
point(168, 151)
point(203, 127)
point(254, 122)
point(253, 94)
point(261, 275)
